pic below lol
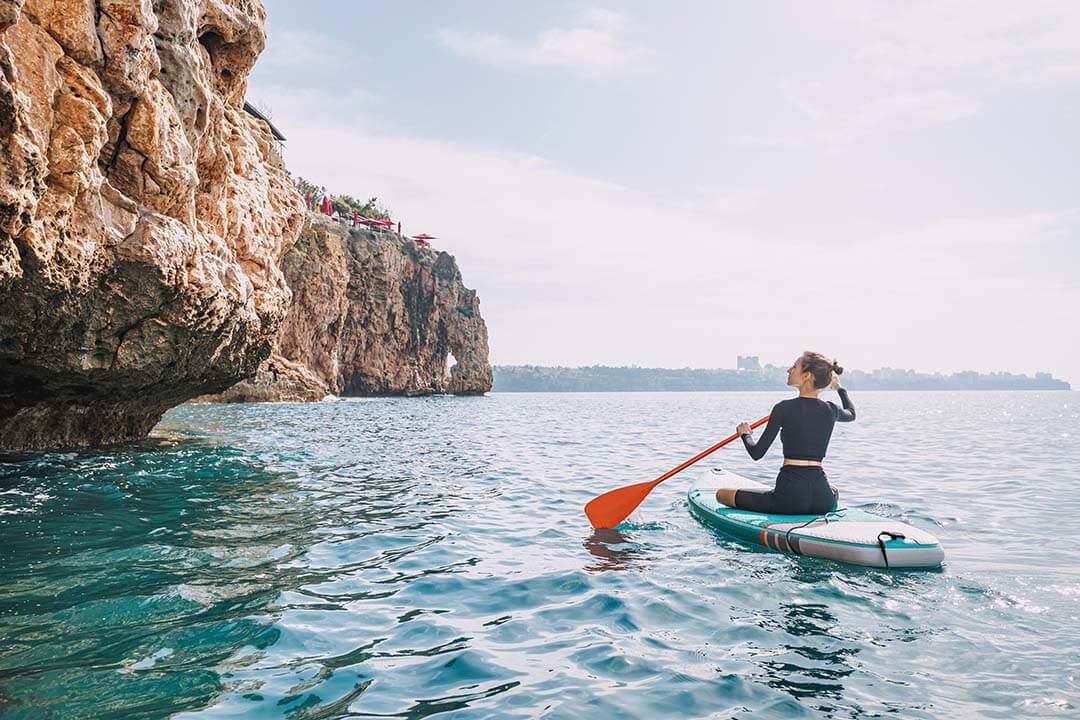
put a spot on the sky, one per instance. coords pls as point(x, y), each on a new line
point(675, 184)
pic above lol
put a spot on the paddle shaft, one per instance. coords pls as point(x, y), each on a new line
point(614, 506)
point(714, 448)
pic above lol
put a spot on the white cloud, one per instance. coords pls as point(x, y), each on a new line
point(1029, 41)
point(880, 115)
point(576, 270)
point(728, 199)
point(773, 141)
point(929, 106)
point(598, 43)
point(945, 295)
point(907, 109)
point(308, 55)
point(306, 51)
point(941, 236)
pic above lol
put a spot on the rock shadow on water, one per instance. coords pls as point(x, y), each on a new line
point(129, 575)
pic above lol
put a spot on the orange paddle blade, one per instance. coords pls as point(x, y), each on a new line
point(614, 506)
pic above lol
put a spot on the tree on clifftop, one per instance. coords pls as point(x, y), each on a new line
point(310, 189)
point(346, 204)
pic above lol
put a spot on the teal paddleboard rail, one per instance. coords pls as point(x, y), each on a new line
point(845, 535)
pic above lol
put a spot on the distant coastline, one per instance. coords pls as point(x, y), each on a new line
point(600, 378)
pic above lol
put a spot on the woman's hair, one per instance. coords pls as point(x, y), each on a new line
point(821, 367)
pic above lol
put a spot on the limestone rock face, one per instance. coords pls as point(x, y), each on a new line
point(371, 315)
point(143, 214)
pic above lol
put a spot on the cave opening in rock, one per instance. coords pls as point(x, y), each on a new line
point(211, 41)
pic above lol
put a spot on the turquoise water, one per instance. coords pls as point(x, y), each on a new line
point(415, 557)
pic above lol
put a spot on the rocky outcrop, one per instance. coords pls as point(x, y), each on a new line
point(143, 214)
point(372, 314)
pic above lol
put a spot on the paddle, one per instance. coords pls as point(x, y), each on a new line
point(614, 506)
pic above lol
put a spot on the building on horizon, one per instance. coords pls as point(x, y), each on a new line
point(749, 362)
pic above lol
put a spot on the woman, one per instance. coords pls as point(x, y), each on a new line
point(805, 424)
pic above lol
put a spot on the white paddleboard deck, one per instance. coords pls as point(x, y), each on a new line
point(845, 535)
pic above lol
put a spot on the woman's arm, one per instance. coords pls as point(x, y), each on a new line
point(757, 450)
point(846, 413)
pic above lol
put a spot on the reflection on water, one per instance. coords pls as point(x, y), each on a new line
point(613, 548)
point(429, 556)
point(808, 669)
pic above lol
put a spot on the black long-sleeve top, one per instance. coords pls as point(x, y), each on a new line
point(805, 426)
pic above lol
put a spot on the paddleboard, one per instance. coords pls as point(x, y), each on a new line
point(846, 535)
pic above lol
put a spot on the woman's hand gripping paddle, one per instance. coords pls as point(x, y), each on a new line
point(614, 506)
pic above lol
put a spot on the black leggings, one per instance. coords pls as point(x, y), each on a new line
point(800, 490)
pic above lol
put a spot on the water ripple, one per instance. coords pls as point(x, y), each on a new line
point(428, 556)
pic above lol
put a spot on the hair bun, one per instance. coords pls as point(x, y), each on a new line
point(837, 369)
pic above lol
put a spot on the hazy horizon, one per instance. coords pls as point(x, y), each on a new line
point(847, 369)
point(891, 185)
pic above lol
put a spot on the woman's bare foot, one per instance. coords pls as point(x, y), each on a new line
point(726, 496)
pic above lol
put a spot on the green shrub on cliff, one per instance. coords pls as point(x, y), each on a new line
point(347, 204)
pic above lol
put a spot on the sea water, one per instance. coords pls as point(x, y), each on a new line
point(429, 556)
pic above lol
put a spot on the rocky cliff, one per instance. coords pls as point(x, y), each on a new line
point(143, 214)
point(372, 314)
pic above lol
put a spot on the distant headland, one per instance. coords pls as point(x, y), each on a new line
point(748, 376)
